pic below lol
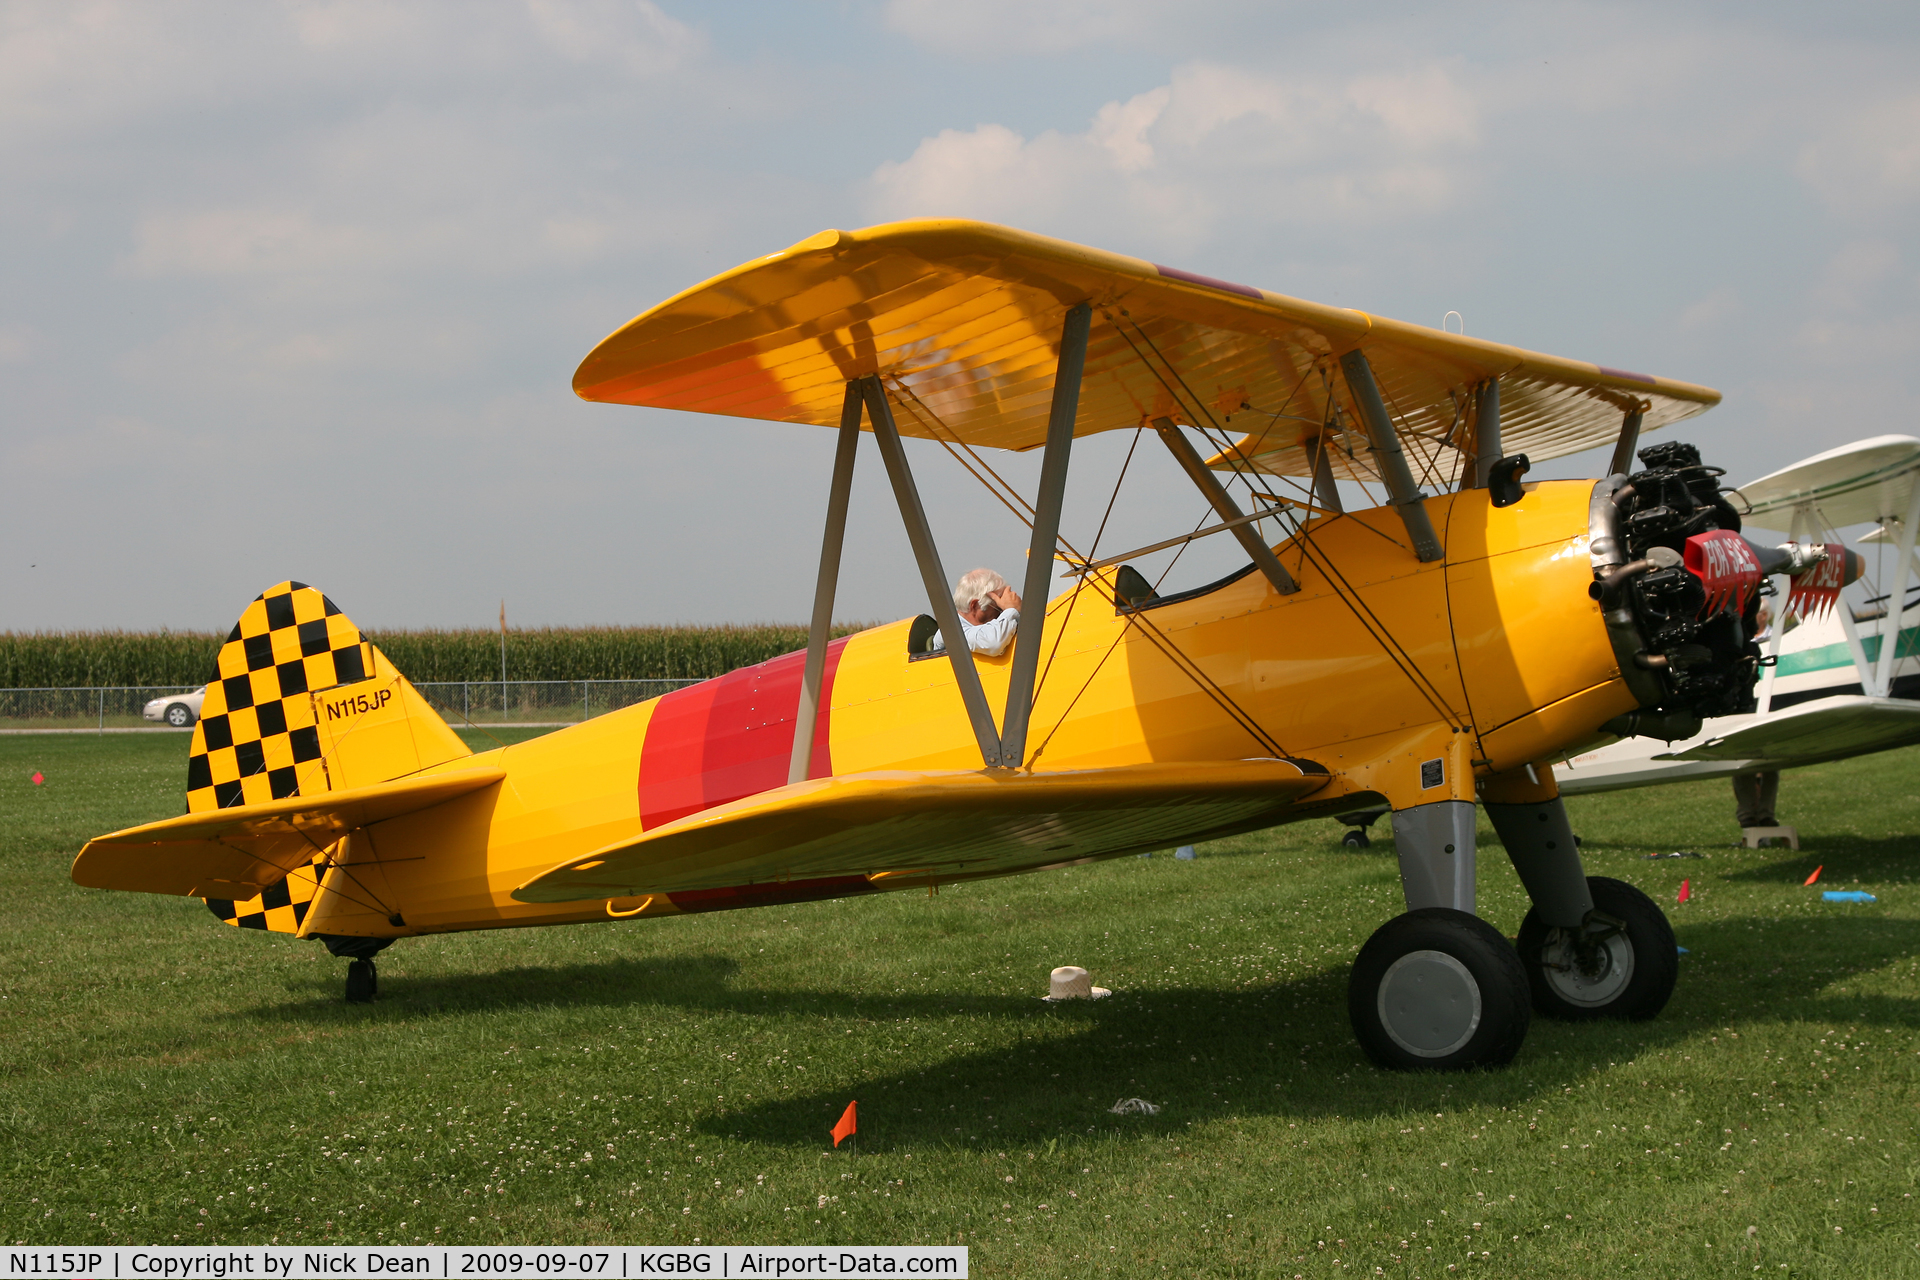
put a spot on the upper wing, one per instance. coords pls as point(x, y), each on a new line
point(947, 823)
point(1829, 729)
point(1857, 483)
point(963, 320)
point(235, 853)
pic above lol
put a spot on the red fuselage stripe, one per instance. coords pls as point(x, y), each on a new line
point(730, 738)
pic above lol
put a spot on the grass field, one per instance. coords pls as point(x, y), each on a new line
point(169, 1079)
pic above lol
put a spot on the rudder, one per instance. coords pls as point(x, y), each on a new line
point(301, 704)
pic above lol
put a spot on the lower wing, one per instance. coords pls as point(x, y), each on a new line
point(1829, 729)
point(935, 824)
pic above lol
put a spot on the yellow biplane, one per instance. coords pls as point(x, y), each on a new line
point(1428, 653)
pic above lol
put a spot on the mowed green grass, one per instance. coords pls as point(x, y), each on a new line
point(169, 1078)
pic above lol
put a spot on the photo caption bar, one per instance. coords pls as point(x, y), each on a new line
point(443, 1262)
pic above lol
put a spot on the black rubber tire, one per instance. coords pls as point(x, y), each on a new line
point(1485, 956)
point(179, 715)
point(1355, 839)
point(362, 981)
point(1656, 960)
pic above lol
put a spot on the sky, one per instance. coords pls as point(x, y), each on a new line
point(297, 289)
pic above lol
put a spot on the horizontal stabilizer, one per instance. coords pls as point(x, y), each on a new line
point(235, 853)
point(935, 824)
point(1829, 729)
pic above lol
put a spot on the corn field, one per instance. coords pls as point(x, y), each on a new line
point(75, 659)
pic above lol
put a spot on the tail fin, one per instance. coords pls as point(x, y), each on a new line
point(302, 704)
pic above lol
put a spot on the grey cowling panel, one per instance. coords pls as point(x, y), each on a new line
point(1539, 839)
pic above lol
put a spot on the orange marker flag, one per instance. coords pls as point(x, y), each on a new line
point(38, 777)
point(1686, 890)
point(848, 1126)
point(1816, 874)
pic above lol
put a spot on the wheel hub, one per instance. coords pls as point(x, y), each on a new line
point(1429, 1003)
point(1588, 971)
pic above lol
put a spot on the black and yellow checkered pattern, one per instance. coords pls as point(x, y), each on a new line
point(279, 908)
point(258, 737)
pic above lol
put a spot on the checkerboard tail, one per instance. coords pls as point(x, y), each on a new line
point(301, 704)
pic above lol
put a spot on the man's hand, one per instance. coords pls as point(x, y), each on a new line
point(1006, 598)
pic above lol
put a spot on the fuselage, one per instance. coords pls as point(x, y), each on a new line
point(1486, 661)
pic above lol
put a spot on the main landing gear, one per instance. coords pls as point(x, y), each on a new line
point(1622, 963)
point(363, 978)
point(1439, 989)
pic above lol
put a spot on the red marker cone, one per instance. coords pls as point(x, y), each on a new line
point(1816, 874)
point(847, 1126)
point(1686, 890)
point(38, 777)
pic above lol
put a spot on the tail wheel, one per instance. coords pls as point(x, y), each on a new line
point(1355, 839)
point(363, 982)
point(1623, 964)
point(1438, 990)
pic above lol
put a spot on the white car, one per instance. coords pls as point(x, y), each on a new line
point(177, 709)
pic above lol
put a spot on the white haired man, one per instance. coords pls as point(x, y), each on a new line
point(989, 612)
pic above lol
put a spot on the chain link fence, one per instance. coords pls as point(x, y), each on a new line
point(538, 701)
point(480, 702)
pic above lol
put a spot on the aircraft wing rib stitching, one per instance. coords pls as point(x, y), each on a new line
point(919, 406)
point(915, 406)
point(984, 465)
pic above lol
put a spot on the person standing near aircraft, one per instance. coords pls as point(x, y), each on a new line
point(1753, 793)
point(989, 612)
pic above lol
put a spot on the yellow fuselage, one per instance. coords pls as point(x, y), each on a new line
point(1488, 660)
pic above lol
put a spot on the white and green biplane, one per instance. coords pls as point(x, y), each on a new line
point(1835, 687)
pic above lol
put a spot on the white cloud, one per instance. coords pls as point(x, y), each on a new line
point(633, 34)
point(1022, 27)
point(1216, 143)
point(1121, 128)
